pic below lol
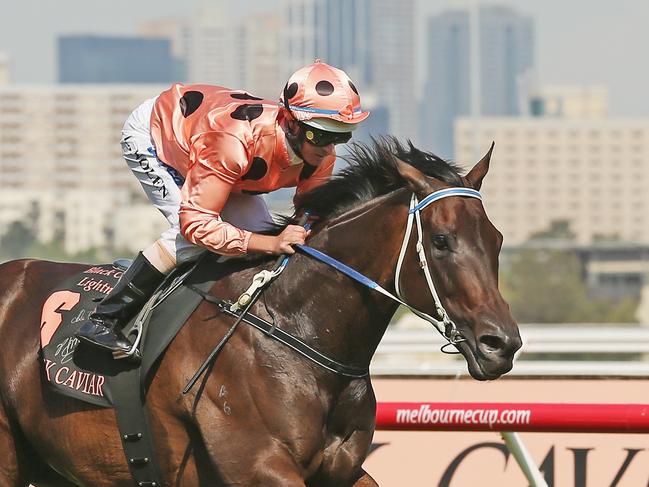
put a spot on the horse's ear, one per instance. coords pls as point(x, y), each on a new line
point(479, 171)
point(417, 180)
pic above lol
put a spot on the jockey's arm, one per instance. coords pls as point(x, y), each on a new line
point(218, 162)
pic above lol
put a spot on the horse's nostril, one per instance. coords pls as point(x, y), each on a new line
point(492, 343)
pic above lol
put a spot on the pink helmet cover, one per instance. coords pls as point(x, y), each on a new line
point(322, 91)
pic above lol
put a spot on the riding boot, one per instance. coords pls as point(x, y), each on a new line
point(104, 326)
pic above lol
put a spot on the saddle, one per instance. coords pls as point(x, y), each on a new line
point(90, 374)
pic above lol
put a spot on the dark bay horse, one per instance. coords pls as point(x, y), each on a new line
point(266, 416)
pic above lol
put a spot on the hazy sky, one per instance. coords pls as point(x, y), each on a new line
point(578, 41)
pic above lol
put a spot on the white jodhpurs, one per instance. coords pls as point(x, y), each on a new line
point(162, 183)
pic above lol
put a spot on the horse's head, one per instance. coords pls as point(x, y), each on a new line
point(462, 248)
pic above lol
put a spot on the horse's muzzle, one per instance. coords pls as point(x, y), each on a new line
point(490, 353)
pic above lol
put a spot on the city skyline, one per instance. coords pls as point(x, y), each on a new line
point(571, 45)
point(383, 33)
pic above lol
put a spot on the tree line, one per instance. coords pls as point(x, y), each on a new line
point(541, 286)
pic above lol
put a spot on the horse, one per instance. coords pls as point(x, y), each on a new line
point(264, 415)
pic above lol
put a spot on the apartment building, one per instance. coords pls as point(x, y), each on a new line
point(61, 170)
point(590, 173)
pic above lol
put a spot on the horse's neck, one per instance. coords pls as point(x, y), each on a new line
point(331, 311)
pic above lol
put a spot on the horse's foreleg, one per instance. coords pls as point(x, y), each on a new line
point(366, 481)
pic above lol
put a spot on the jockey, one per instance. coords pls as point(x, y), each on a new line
point(203, 155)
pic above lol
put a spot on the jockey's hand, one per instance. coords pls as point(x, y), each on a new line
point(292, 234)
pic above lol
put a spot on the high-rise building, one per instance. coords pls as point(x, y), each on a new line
point(447, 88)
point(503, 64)
point(215, 46)
point(261, 70)
point(178, 32)
point(506, 60)
point(393, 64)
point(345, 28)
point(301, 40)
point(337, 31)
point(95, 59)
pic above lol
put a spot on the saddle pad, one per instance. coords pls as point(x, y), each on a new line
point(88, 373)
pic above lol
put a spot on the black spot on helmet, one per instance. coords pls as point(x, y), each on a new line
point(324, 88)
point(291, 90)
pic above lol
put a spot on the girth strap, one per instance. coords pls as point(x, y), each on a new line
point(286, 338)
point(135, 429)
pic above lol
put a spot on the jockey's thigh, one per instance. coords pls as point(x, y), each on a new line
point(160, 183)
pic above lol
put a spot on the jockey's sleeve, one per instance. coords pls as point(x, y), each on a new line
point(217, 160)
point(320, 176)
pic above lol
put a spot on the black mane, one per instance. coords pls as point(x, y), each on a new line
point(372, 172)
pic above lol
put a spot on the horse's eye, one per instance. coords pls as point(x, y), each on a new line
point(440, 242)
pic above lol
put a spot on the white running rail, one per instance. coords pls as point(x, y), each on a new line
point(548, 349)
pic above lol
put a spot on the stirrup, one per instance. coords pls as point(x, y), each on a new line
point(131, 355)
point(143, 316)
point(117, 354)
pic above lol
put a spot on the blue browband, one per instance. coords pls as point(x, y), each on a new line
point(445, 193)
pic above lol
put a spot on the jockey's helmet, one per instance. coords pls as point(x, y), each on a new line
point(323, 97)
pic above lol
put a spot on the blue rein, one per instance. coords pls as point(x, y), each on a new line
point(339, 266)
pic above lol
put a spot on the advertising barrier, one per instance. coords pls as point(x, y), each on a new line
point(457, 442)
point(552, 418)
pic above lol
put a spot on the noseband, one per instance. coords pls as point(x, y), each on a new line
point(443, 323)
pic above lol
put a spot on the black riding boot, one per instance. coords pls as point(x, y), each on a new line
point(104, 326)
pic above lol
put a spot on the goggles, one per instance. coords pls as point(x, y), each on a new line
point(321, 138)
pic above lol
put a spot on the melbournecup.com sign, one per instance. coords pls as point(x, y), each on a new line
point(424, 414)
point(456, 443)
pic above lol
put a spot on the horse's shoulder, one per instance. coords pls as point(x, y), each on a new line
point(39, 264)
point(25, 273)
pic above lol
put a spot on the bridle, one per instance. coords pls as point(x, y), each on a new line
point(443, 323)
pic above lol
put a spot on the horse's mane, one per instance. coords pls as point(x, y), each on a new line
point(372, 172)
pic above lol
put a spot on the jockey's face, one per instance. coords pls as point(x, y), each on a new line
point(315, 155)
